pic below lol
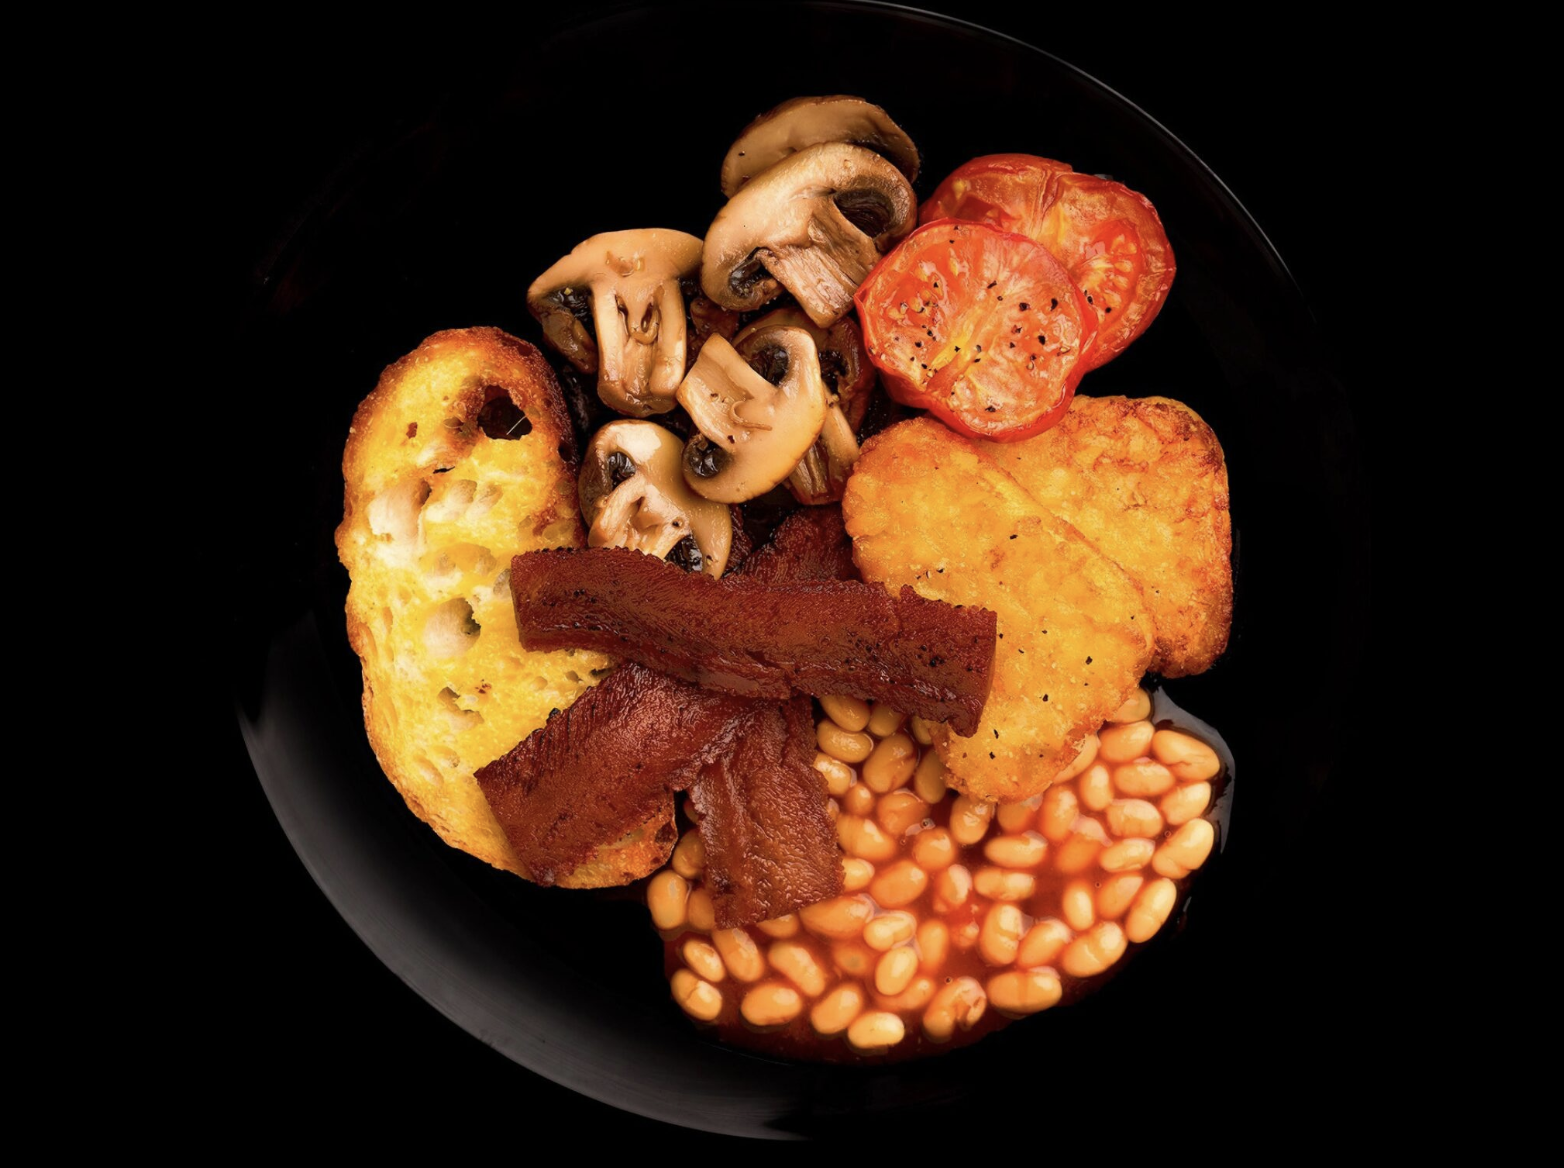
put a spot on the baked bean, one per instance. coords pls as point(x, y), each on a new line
point(885, 721)
point(1077, 853)
point(863, 838)
point(697, 998)
point(933, 945)
point(1125, 743)
point(1142, 778)
point(1185, 850)
point(740, 954)
point(876, 1030)
point(851, 714)
point(965, 935)
point(854, 958)
point(952, 887)
point(1017, 851)
point(773, 1003)
point(933, 850)
point(1135, 817)
point(704, 959)
point(1057, 813)
point(961, 1003)
point(1136, 707)
point(969, 819)
point(838, 775)
point(1043, 943)
point(1080, 911)
point(1001, 884)
point(895, 970)
point(1116, 894)
point(922, 730)
point(1025, 991)
point(900, 884)
point(783, 927)
point(1151, 909)
point(843, 745)
point(702, 913)
point(890, 764)
point(1017, 817)
point(859, 800)
point(1083, 759)
point(911, 999)
point(1096, 787)
point(1001, 935)
point(689, 855)
point(899, 811)
point(888, 931)
point(1182, 804)
point(841, 918)
point(835, 1012)
point(797, 963)
point(1127, 855)
point(667, 895)
point(1094, 951)
point(1190, 759)
point(856, 874)
point(929, 778)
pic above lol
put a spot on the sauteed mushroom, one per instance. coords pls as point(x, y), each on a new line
point(815, 224)
point(754, 429)
point(809, 121)
point(626, 285)
point(633, 495)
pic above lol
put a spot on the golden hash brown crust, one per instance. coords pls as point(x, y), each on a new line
point(433, 510)
point(1145, 480)
point(925, 510)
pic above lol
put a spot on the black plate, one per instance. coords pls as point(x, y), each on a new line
point(443, 222)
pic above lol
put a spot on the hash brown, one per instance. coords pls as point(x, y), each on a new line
point(925, 510)
point(1144, 479)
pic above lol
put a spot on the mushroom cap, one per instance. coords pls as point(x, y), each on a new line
point(844, 362)
point(809, 121)
point(627, 284)
point(633, 494)
point(752, 433)
point(815, 223)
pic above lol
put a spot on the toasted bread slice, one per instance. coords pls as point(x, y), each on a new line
point(461, 458)
point(1144, 479)
point(925, 510)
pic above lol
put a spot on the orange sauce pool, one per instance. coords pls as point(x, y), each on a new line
point(958, 917)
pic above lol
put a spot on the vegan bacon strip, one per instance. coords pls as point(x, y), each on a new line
point(811, 544)
point(604, 766)
point(761, 640)
point(770, 846)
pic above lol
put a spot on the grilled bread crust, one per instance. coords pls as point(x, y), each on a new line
point(462, 457)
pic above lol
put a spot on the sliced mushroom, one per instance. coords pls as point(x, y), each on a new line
point(625, 286)
point(753, 429)
point(809, 121)
point(844, 362)
point(814, 223)
point(821, 475)
point(633, 495)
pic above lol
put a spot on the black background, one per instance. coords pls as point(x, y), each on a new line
point(1281, 124)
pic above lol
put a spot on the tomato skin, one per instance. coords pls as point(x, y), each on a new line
point(1009, 191)
point(981, 327)
point(1108, 236)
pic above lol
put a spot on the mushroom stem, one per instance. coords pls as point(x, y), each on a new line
point(825, 271)
point(637, 515)
point(669, 368)
point(821, 475)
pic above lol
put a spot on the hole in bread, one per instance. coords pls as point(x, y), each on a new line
point(460, 719)
point(393, 513)
point(502, 581)
point(451, 501)
point(450, 630)
point(501, 419)
point(447, 757)
point(560, 533)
